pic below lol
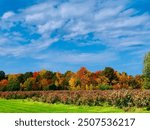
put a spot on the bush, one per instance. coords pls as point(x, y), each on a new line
point(105, 87)
point(119, 98)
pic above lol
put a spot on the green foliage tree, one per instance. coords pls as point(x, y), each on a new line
point(110, 74)
point(21, 78)
point(27, 75)
point(13, 83)
point(146, 71)
point(2, 75)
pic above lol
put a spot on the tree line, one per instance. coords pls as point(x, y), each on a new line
point(83, 79)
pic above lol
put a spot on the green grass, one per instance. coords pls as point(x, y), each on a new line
point(28, 106)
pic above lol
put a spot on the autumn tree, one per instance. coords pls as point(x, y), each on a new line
point(30, 84)
point(81, 79)
point(123, 81)
point(100, 79)
point(74, 83)
point(3, 85)
point(146, 71)
point(59, 81)
point(134, 83)
point(45, 84)
point(67, 76)
point(140, 80)
point(36, 75)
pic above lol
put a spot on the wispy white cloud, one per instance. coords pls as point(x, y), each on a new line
point(8, 15)
point(27, 50)
point(110, 22)
point(77, 58)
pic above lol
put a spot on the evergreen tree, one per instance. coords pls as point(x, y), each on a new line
point(2, 75)
point(146, 71)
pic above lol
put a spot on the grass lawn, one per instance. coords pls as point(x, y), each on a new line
point(28, 106)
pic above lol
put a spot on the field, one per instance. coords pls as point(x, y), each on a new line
point(29, 106)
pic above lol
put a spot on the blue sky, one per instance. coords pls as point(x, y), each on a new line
point(62, 35)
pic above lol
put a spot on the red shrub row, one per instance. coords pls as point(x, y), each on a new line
point(120, 98)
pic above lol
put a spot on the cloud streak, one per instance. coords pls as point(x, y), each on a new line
point(110, 22)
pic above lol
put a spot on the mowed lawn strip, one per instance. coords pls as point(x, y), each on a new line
point(28, 106)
